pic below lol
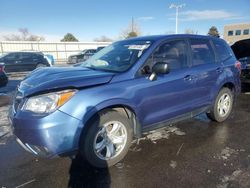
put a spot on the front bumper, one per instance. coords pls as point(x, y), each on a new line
point(55, 134)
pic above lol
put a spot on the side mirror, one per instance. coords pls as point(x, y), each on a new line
point(159, 68)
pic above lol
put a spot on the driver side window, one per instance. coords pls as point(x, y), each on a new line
point(173, 52)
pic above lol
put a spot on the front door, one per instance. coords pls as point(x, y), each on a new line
point(11, 62)
point(170, 95)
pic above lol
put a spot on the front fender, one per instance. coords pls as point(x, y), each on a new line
point(108, 104)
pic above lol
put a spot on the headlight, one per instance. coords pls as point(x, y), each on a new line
point(47, 103)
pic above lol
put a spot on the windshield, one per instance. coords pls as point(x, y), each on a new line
point(3, 55)
point(118, 57)
point(82, 52)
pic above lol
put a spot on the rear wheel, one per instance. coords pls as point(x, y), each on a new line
point(107, 140)
point(222, 106)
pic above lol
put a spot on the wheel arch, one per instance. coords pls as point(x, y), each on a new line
point(121, 108)
point(130, 113)
point(229, 85)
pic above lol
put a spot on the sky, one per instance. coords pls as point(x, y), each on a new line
point(90, 19)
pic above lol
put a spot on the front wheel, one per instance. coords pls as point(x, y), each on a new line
point(107, 140)
point(222, 106)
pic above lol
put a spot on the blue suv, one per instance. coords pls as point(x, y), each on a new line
point(133, 86)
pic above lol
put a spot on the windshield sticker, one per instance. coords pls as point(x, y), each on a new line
point(138, 47)
point(100, 62)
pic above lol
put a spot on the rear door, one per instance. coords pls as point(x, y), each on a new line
point(26, 63)
point(206, 70)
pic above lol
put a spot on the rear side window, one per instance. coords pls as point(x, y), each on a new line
point(222, 50)
point(202, 52)
point(26, 56)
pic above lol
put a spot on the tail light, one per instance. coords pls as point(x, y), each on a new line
point(238, 65)
point(1, 68)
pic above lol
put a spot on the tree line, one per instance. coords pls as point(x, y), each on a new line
point(133, 30)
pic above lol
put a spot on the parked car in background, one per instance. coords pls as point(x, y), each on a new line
point(82, 56)
point(23, 61)
point(241, 50)
point(50, 59)
point(100, 48)
point(3, 76)
point(245, 73)
point(133, 86)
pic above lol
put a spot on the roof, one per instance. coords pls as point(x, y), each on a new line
point(27, 51)
point(161, 37)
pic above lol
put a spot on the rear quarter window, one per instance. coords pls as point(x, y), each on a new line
point(222, 50)
point(26, 55)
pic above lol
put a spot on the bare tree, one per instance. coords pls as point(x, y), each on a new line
point(12, 37)
point(24, 35)
point(133, 30)
point(103, 39)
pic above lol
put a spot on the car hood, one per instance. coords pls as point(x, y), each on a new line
point(46, 79)
point(241, 48)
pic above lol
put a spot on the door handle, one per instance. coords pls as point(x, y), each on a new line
point(17, 61)
point(188, 78)
point(219, 69)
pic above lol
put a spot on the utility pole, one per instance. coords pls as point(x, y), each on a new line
point(177, 7)
point(132, 24)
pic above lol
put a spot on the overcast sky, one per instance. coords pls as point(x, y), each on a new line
point(89, 19)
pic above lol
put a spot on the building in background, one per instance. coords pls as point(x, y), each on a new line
point(236, 32)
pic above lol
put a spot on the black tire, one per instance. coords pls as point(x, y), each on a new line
point(214, 114)
point(88, 141)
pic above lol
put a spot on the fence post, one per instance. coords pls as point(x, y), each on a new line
point(56, 52)
point(65, 51)
point(38, 45)
point(78, 47)
point(1, 47)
